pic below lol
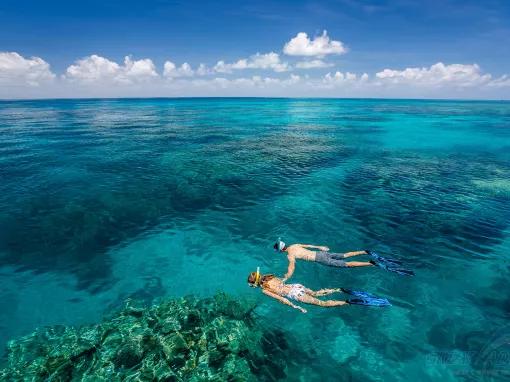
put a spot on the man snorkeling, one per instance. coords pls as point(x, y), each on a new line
point(276, 288)
point(320, 254)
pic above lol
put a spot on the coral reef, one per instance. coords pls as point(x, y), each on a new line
point(181, 339)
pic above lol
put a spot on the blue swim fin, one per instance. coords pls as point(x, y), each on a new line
point(401, 271)
point(357, 293)
point(378, 258)
point(380, 302)
point(390, 265)
point(390, 268)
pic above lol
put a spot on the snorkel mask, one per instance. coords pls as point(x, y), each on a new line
point(280, 245)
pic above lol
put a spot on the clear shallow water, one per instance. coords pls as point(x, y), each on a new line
point(101, 200)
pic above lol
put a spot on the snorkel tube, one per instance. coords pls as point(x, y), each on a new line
point(257, 277)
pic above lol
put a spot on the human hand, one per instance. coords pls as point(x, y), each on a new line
point(303, 310)
point(324, 248)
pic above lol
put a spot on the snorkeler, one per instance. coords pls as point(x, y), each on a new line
point(323, 256)
point(276, 288)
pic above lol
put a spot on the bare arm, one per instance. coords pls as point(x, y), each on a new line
point(290, 268)
point(319, 247)
point(283, 300)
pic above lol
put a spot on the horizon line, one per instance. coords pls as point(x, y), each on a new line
point(252, 97)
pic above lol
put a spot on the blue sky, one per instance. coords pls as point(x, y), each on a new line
point(376, 35)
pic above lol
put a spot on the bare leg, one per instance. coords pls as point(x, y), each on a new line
point(322, 292)
point(355, 253)
point(307, 299)
point(358, 264)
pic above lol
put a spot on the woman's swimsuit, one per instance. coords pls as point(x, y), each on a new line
point(296, 291)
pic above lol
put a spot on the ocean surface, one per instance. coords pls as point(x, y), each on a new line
point(104, 200)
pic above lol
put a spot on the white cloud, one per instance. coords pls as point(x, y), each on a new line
point(20, 76)
point(139, 70)
point(98, 69)
point(222, 67)
point(437, 75)
point(203, 70)
point(340, 77)
point(313, 64)
point(503, 81)
point(246, 83)
point(15, 70)
point(320, 46)
point(270, 61)
point(92, 68)
point(170, 70)
point(294, 79)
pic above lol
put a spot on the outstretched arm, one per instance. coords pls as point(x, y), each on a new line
point(283, 300)
point(290, 268)
point(319, 247)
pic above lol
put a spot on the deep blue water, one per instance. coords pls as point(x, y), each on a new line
point(101, 200)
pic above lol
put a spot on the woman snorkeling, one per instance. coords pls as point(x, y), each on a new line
point(274, 287)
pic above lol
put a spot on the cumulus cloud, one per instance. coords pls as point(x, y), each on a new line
point(170, 70)
point(320, 46)
point(203, 70)
point(343, 80)
point(503, 81)
point(437, 75)
point(313, 64)
point(139, 70)
point(244, 84)
point(15, 70)
point(97, 69)
point(32, 78)
point(340, 77)
point(269, 61)
point(92, 68)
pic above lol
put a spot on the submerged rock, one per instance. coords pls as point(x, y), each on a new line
point(181, 339)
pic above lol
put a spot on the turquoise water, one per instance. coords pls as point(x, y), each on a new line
point(102, 200)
